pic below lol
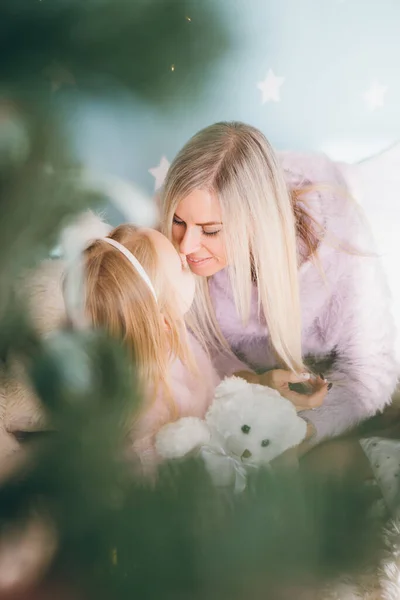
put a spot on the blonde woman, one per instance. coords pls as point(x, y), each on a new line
point(286, 276)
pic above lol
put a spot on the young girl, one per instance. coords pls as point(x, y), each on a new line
point(139, 288)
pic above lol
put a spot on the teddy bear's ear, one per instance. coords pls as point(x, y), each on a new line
point(231, 385)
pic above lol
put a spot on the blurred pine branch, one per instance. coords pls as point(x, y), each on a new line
point(98, 42)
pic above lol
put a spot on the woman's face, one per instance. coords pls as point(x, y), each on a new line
point(197, 231)
point(175, 268)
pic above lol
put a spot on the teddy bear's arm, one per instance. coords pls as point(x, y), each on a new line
point(177, 439)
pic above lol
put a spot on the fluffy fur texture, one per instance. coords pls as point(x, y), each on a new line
point(378, 177)
point(390, 567)
point(246, 426)
point(347, 329)
point(377, 582)
point(20, 410)
point(86, 228)
point(42, 288)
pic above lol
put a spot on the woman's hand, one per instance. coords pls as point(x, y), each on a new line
point(279, 379)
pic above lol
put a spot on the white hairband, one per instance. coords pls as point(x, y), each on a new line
point(134, 261)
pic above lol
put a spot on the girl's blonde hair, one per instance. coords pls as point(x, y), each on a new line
point(235, 162)
point(118, 300)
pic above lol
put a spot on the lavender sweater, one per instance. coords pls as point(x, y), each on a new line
point(347, 329)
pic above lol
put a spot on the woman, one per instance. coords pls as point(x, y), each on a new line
point(287, 275)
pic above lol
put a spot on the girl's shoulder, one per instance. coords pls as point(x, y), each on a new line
point(191, 395)
point(193, 391)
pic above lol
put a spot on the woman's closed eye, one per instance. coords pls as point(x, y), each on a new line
point(211, 232)
point(179, 222)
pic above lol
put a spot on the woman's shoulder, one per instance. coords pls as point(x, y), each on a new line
point(321, 188)
point(315, 167)
point(319, 178)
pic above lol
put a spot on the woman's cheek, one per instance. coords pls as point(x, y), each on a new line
point(176, 234)
point(217, 248)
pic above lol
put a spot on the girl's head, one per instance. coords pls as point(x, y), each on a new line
point(225, 203)
point(119, 299)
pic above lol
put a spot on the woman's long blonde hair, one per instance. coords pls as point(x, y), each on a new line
point(236, 163)
point(119, 301)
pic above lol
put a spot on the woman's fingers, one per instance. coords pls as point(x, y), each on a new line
point(299, 400)
point(307, 401)
point(320, 388)
point(317, 398)
point(280, 377)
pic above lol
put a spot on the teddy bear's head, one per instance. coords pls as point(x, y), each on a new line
point(253, 423)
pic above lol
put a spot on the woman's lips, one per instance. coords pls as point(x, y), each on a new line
point(197, 261)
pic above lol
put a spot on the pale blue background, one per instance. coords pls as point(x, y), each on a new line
point(329, 51)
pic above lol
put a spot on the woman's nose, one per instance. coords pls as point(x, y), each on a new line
point(190, 242)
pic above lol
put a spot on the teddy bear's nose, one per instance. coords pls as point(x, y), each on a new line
point(246, 454)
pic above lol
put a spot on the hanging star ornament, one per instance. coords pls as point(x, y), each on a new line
point(375, 96)
point(270, 87)
point(159, 173)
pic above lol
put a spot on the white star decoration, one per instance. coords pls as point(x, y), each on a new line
point(270, 87)
point(375, 96)
point(159, 173)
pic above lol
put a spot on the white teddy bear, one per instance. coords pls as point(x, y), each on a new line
point(247, 426)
